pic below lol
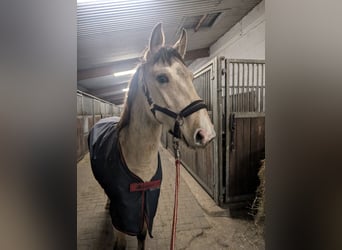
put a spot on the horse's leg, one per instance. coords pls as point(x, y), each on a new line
point(141, 238)
point(119, 240)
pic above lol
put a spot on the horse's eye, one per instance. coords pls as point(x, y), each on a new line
point(162, 79)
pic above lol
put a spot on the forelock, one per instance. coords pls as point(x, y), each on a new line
point(165, 56)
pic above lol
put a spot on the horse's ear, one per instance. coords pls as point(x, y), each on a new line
point(180, 45)
point(157, 39)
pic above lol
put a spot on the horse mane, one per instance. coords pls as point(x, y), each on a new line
point(164, 56)
point(132, 92)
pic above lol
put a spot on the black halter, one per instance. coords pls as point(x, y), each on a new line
point(188, 110)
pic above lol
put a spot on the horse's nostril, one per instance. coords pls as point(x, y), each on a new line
point(199, 137)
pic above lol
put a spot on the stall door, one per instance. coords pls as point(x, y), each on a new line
point(245, 126)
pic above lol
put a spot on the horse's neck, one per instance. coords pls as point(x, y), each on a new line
point(140, 140)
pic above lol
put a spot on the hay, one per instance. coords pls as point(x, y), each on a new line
point(259, 201)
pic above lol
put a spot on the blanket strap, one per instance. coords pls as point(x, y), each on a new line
point(143, 186)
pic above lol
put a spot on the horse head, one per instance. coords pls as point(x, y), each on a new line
point(168, 85)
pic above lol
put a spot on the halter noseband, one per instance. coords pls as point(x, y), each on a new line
point(185, 112)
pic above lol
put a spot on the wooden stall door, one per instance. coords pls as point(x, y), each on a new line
point(246, 127)
point(247, 148)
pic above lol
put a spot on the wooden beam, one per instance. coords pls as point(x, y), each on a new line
point(200, 22)
point(110, 68)
point(119, 102)
point(118, 99)
point(115, 95)
point(197, 53)
point(107, 69)
point(112, 89)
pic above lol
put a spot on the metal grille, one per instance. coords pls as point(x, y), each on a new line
point(97, 107)
point(79, 104)
point(246, 81)
point(202, 85)
point(87, 106)
point(91, 105)
point(90, 109)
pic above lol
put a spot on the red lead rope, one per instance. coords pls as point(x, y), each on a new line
point(175, 206)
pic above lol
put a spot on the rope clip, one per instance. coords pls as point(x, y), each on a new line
point(176, 148)
point(180, 120)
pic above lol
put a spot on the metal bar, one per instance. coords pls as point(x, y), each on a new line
point(247, 85)
point(236, 84)
point(236, 75)
point(228, 100)
point(208, 80)
point(260, 85)
point(230, 91)
point(255, 76)
point(238, 89)
point(249, 114)
point(258, 89)
point(243, 89)
point(254, 89)
point(207, 89)
point(204, 79)
point(262, 89)
point(232, 88)
point(216, 98)
point(206, 68)
point(210, 93)
point(246, 61)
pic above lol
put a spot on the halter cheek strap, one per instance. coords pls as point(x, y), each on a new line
point(185, 112)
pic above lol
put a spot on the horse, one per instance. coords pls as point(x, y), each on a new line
point(124, 151)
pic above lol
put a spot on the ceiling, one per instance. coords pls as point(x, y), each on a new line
point(112, 34)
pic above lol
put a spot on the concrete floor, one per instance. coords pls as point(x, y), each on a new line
point(201, 224)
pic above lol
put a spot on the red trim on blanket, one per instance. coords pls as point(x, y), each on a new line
point(143, 186)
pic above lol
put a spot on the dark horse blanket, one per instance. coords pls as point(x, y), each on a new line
point(131, 199)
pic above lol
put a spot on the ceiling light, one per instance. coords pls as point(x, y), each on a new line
point(123, 73)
